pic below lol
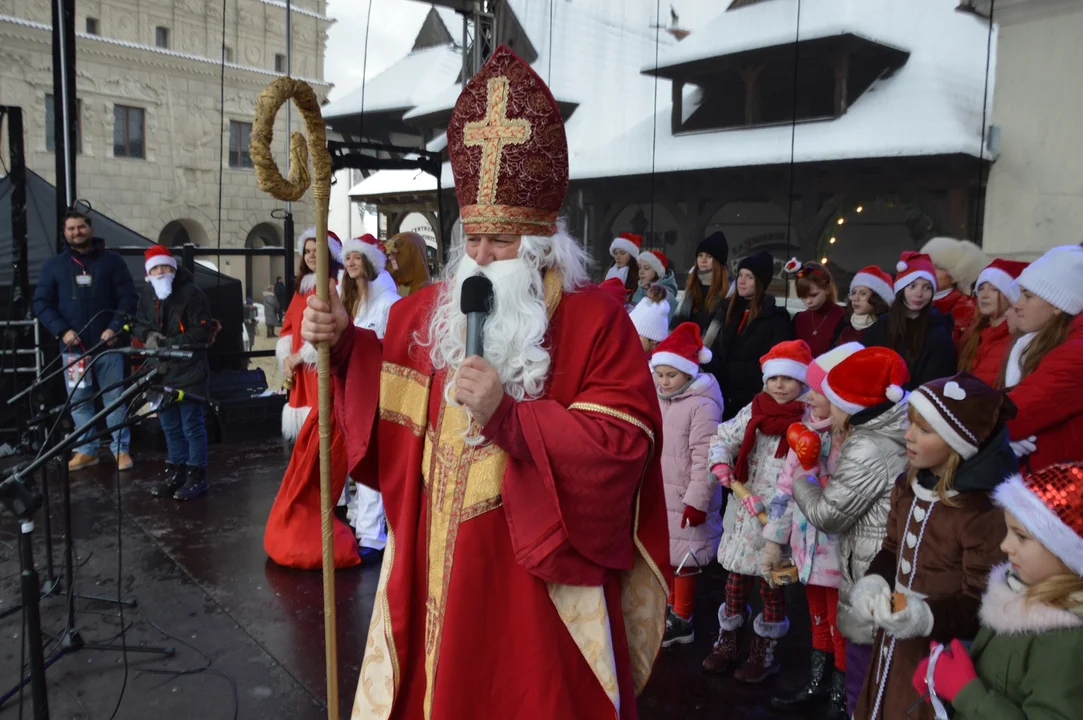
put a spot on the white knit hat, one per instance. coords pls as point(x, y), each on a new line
point(651, 319)
point(1057, 278)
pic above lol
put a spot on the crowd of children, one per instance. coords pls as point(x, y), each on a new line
point(910, 461)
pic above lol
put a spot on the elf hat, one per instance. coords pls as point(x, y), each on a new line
point(333, 243)
point(1056, 278)
point(627, 242)
point(963, 410)
point(876, 280)
point(866, 379)
point(651, 319)
point(683, 350)
point(821, 366)
point(614, 287)
point(914, 266)
point(655, 260)
point(1049, 504)
point(368, 246)
point(1002, 275)
point(157, 255)
point(789, 359)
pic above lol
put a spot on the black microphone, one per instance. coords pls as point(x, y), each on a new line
point(167, 353)
point(172, 396)
point(476, 303)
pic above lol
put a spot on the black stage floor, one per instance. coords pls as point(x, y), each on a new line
point(205, 587)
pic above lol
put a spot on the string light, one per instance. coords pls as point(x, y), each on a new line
point(832, 240)
point(823, 261)
point(841, 221)
point(859, 208)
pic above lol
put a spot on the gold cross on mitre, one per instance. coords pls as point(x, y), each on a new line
point(493, 133)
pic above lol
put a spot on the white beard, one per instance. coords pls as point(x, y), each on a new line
point(514, 331)
point(162, 284)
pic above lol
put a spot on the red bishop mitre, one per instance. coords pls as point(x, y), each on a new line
point(508, 151)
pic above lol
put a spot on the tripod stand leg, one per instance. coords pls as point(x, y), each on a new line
point(52, 582)
point(31, 591)
point(112, 601)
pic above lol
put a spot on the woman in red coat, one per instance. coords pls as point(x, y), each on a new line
point(987, 342)
point(292, 537)
point(1044, 366)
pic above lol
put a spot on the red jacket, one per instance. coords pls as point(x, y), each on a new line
point(961, 308)
point(1051, 404)
point(992, 349)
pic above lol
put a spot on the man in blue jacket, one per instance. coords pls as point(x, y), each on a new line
point(82, 298)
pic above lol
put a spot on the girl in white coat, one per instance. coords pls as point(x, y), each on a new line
point(368, 292)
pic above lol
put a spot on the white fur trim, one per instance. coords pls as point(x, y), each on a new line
point(877, 285)
point(929, 407)
point(160, 260)
point(308, 353)
point(786, 368)
point(904, 280)
point(771, 631)
point(310, 232)
point(373, 253)
point(731, 622)
point(282, 350)
point(307, 284)
point(927, 495)
point(675, 361)
point(627, 246)
point(1041, 521)
point(1008, 612)
point(293, 419)
point(1001, 280)
point(651, 260)
point(1013, 372)
point(847, 407)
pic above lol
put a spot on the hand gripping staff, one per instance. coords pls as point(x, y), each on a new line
point(270, 180)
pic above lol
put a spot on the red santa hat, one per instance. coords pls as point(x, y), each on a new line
point(655, 260)
point(1049, 504)
point(876, 280)
point(914, 266)
point(683, 350)
point(628, 242)
point(789, 359)
point(1002, 275)
point(615, 287)
point(157, 255)
point(368, 246)
point(867, 378)
point(333, 243)
point(821, 366)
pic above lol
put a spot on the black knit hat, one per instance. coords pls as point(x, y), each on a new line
point(761, 265)
point(716, 246)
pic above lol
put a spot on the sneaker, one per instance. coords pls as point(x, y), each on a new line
point(82, 461)
point(124, 461)
point(678, 630)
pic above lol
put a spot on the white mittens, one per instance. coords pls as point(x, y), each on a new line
point(855, 616)
point(913, 621)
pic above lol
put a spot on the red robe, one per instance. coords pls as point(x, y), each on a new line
point(293, 535)
point(962, 309)
point(525, 578)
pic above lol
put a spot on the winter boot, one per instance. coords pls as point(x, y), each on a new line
point(760, 663)
point(836, 703)
point(724, 653)
point(678, 630)
point(175, 476)
point(814, 691)
point(195, 486)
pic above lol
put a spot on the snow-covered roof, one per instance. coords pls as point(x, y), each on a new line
point(394, 182)
point(415, 78)
point(452, 20)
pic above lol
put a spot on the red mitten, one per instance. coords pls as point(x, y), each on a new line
point(805, 444)
point(920, 679)
point(693, 517)
point(954, 670)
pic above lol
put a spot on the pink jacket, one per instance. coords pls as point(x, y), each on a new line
point(814, 553)
point(688, 422)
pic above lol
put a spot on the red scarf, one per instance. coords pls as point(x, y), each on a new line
point(769, 418)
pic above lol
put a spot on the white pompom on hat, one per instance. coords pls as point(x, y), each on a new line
point(683, 350)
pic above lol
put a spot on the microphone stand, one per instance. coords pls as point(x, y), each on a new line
point(71, 641)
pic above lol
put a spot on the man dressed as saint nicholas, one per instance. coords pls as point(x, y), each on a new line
point(524, 575)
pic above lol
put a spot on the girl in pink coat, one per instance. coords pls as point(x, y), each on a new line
point(691, 411)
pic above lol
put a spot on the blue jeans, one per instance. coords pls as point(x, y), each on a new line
point(105, 371)
point(185, 434)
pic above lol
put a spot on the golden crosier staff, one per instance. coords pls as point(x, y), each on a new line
point(270, 180)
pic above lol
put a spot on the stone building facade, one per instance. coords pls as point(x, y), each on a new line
point(158, 148)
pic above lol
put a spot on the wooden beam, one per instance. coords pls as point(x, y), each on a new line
point(751, 76)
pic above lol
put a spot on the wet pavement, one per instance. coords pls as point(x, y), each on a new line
point(248, 634)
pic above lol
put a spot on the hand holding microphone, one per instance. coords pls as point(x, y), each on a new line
point(477, 384)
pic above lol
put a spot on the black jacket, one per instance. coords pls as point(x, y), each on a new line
point(185, 319)
point(937, 358)
point(63, 304)
point(743, 378)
